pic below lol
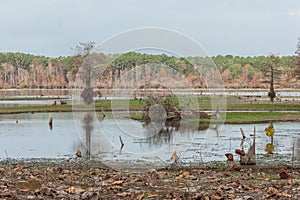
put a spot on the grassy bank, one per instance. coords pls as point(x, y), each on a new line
point(267, 111)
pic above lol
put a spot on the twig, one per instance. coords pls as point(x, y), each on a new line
point(160, 159)
point(293, 156)
point(50, 123)
point(200, 154)
point(9, 164)
point(122, 143)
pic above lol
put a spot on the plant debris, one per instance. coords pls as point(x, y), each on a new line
point(94, 181)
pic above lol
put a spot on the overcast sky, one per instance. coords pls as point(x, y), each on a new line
point(236, 27)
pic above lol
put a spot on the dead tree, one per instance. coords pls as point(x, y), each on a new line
point(250, 157)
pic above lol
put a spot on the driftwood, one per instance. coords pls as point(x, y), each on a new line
point(250, 157)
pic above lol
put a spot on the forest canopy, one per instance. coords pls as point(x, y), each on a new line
point(19, 70)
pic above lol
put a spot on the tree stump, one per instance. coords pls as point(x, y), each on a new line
point(250, 157)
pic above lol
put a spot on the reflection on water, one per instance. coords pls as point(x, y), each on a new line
point(31, 138)
point(88, 126)
point(157, 133)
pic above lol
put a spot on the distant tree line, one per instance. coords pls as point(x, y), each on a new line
point(19, 70)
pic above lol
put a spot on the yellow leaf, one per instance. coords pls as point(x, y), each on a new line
point(270, 130)
point(269, 148)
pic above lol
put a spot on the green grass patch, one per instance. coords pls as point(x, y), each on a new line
point(257, 117)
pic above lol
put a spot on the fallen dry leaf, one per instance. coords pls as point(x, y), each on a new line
point(240, 152)
point(124, 194)
point(117, 182)
point(78, 153)
point(186, 174)
point(74, 190)
point(66, 171)
point(283, 174)
point(272, 190)
point(206, 197)
point(32, 177)
point(285, 194)
point(216, 197)
point(236, 167)
point(231, 196)
point(152, 170)
point(174, 156)
point(291, 181)
point(229, 157)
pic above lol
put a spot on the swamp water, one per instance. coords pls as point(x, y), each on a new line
point(27, 136)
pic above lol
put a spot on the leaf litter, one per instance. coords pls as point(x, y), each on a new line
point(94, 181)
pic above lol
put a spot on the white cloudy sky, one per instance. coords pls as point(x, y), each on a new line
point(237, 27)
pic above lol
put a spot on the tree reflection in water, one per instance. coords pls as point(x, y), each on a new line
point(157, 133)
point(297, 149)
point(88, 127)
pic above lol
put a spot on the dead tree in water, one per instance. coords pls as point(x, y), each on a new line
point(272, 93)
point(250, 157)
point(271, 68)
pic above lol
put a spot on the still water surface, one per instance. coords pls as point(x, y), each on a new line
point(29, 136)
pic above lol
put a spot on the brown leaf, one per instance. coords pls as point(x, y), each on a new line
point(233, 185)
point(231, 196)
point(229, 157)
point(236, 167)
point(74, 190)
point(272, 191)
point(206, 197)
point(179, 176)
point(117, 182)
point(216, 197)
point(291, 181)
point(221, 187)
point(124, 194)
point(240, 152)
point(66, 171)
point(78, 153)
point(283, 174)
point(152, 170)
point(174, 156)
point(186, 175)
point(32, 177)
point(285, 194)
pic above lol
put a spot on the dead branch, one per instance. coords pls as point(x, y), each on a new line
point(243, 133)
point(122, 143)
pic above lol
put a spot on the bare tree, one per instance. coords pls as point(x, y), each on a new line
point(297, 60)
point(271, 67)
point(83, 50)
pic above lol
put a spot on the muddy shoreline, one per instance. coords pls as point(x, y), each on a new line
point(81, 180)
